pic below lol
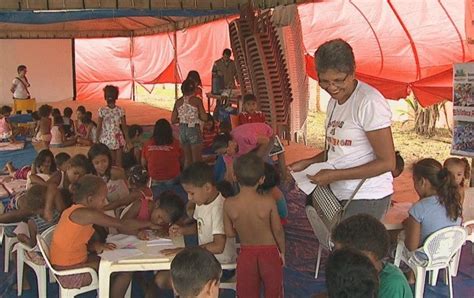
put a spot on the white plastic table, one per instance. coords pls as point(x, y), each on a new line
point(150, 260)
point(395, 216)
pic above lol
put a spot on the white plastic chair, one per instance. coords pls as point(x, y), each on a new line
point(470, 235)
point(454, 264)
point(322, 234)
point(7, 243)
point(436, 253)
point(64, 292)
point(40, 270)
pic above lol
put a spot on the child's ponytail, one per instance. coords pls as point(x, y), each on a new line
point(448, 193)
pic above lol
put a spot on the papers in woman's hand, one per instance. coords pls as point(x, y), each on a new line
point(303, 182)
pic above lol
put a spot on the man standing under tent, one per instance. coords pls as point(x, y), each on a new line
point(225, 67)
point(20, 86)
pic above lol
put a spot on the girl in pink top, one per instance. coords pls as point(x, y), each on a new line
point(165, 211)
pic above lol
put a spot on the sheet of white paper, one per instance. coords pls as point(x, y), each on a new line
point(123, 241)
point(120, 254)
point(160, 241)
point(302, 181)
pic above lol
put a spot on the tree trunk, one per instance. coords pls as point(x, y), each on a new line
point(425, 121)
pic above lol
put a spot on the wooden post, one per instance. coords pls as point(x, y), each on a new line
point(318, 98)
point(176, 74)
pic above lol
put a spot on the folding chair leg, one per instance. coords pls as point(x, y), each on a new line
point(1, 235)
point(20, 266)
point(420, 282)
point(318, 261)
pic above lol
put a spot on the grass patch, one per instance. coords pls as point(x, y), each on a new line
point(412, 146)
point(162, 96)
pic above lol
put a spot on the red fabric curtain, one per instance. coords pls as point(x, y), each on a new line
point(399, 46)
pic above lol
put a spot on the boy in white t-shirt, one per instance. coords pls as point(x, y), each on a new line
point(208, 223)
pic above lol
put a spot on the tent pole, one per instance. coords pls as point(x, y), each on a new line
point(132, 65)
point(73, 55)
point(176, 75)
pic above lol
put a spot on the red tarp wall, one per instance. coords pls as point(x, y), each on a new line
point(147, 59)
point(399, 45)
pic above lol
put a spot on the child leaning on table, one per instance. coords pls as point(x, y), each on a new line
point(208, 224)
point(254, 217)
point(195, 272)
point(167, 210)
point(71, 246)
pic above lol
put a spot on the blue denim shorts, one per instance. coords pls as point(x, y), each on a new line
point(189, 135)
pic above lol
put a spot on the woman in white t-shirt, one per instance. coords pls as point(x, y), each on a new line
point(358, 135)
point(20, 84)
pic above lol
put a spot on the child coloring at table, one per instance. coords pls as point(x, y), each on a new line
point(112, 126)
point(70, 244)
point(195, 272)
point(254, 217)
point(439, 206)
point(208, 224)
point(167, 209)
point(59, 185)
point(461, 170)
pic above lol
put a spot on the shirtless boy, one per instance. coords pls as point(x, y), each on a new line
point(254, 217)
